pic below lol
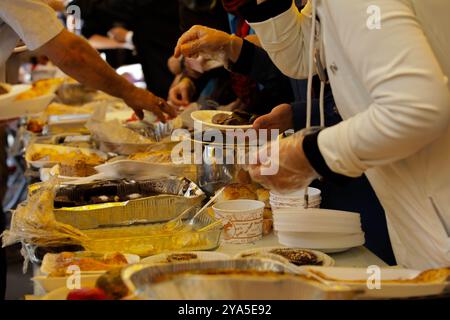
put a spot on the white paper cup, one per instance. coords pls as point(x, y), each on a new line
point(242, 220)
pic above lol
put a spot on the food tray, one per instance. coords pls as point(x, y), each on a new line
point(141, 280)
point(130, 148)
point(176, 196)
point(35, 147)
point(139, 240)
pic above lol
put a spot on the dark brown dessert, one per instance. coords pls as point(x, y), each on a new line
point(237, 118)
point(181, 257)
point(298, 257)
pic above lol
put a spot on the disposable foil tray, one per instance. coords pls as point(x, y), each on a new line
point(176, 195)
point(144, 281)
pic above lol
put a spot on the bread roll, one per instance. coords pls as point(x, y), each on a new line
point(237, 191)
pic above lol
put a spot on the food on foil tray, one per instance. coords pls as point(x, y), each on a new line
point(55, 155)
point(76, 168)
point(41, 88)
point(4, 88)
point(237, 118)
point(35, 125)
point(56, 264)
point(104, 192)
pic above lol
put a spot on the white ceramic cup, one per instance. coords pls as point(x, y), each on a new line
point(242, 220)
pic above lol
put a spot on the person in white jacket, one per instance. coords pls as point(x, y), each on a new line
point(387, 62)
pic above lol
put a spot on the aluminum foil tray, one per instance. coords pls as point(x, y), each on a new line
point(143, 281)
point(177, 195)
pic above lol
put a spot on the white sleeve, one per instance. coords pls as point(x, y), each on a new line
point(32, 20)
point(286, 39)
point(410, 100)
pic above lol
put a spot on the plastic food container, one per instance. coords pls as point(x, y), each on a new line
point(242, 220)
point(139, 240)
point(295, 199)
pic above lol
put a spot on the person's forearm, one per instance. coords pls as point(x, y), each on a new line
point(78, 59)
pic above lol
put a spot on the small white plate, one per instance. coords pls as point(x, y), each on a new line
point(8, 98)
point(21, 108)
point(315, 241)
point(205, 118)
point(201, 256)
point(326, 259)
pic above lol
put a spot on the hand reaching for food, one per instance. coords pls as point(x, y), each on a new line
point(140, 99)
point(181, 94)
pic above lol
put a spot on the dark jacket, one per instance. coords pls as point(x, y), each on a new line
point(156, 30)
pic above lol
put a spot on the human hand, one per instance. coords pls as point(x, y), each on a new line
point(281, 117)
point(119, 34)
point(140, 99)
point(181, 93)
point(210, 43)
point(285, 173)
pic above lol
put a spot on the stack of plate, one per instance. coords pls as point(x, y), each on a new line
point(325, 230)
point(295, 199)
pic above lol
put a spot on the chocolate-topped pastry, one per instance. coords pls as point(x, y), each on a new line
point(179, 257)
point(237, 118)
point(104, 199)
point(298, 257)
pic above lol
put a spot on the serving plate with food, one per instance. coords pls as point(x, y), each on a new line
point(43, 155)
point(386, 282)
point(294, 256)
point(223, 120)
point(8, 93)
point(56, 269)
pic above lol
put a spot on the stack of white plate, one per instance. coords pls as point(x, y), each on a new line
point(320, 229)
point(295, 199)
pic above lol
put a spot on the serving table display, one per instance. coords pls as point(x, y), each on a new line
point(107, 199)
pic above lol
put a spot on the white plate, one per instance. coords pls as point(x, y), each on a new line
point(7, 99)
point(317, 241)
point(205, 118)
point(26, 107)
point(386, 290)
point(311, 227)
point(201, 256)
point(322, 213)
point(326, 259)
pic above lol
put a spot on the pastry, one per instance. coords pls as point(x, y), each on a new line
point(237, 191)
point(4, 88)
point(263, 196)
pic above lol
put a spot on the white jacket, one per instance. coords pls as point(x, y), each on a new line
point(389, 85)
